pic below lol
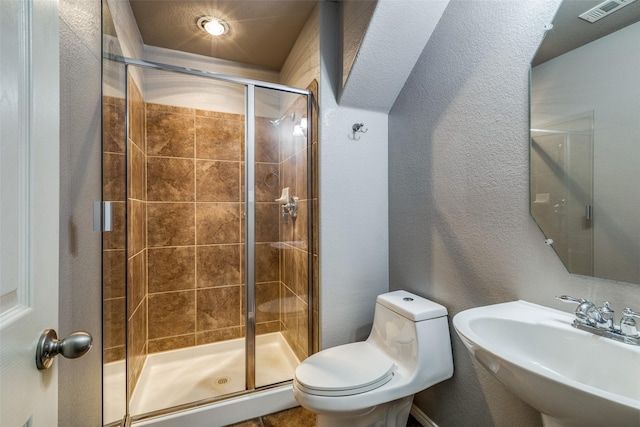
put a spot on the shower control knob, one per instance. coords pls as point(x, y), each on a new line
point(75, 345)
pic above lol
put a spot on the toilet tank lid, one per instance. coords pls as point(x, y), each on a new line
point(411, 306)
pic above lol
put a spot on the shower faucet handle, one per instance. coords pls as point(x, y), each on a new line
point(284, 196)
point(289, 205)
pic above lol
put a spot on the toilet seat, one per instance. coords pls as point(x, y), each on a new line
point(345, 370)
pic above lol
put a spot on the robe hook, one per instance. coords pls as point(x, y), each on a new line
point(357, 128)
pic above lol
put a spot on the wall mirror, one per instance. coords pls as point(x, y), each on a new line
point(585, 138)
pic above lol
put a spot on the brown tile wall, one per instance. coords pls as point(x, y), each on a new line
point(114, 258)
point(137, 299)
point(195, 174)
point(122, 253)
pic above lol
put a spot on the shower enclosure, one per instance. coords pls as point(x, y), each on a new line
point(208, 248)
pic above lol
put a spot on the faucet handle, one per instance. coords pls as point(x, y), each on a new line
point(570, 299)
point(628, 324)
point(628, 312)
point(606, 307)
point(586, 313)
point(607, 315)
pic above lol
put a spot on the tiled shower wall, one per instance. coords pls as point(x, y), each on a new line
point(137, 347)
point(113, 254)
point(186, 250)
point(116, 252)
point(195, 174)
point(296, 252)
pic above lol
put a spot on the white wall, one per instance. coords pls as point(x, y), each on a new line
point(353, 205)
point(354, 266)
point(460, 229)
point(603, 77)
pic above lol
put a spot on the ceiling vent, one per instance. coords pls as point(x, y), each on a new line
point(604, 9)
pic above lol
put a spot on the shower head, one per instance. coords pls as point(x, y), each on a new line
point(277, 122)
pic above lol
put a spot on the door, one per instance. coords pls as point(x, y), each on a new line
point(29, 205)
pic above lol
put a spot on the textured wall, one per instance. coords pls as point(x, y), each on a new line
point(353, 208)
point(459, 227)
point(80, 256)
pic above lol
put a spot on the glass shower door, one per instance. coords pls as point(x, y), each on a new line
point(186, 270)
point(282, 251)
point(114, 304)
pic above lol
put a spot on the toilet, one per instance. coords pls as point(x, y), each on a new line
point(372, 383)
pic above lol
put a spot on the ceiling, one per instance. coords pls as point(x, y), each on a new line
point(261, 32)
point(570, 32)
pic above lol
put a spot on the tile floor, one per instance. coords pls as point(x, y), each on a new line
point(296, 417)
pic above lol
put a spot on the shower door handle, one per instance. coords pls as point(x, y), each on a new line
point(75, 345)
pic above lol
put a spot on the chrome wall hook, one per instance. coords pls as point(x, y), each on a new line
point(357, 128)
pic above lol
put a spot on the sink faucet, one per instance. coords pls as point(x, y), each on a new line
point(600, 320)
point(586, 313)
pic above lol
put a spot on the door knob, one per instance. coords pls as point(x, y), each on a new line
point(71, 347)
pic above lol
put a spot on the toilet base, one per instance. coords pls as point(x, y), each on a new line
point(390, 414)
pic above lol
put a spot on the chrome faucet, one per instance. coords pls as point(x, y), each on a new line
point(601, 320)
point(586, 313)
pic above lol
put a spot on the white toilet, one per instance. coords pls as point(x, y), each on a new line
point(372, 383)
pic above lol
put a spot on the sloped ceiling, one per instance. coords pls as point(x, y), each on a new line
point(394, 40)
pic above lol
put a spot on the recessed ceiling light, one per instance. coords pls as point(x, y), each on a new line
point(214, 26)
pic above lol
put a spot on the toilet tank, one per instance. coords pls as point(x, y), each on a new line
point(410, 306)
point(414, 331)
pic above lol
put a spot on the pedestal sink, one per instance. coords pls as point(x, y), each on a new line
point(574, 378)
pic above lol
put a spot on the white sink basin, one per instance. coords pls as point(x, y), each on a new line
point(573, 377)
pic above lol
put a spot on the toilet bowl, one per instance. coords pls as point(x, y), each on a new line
point(372, 383)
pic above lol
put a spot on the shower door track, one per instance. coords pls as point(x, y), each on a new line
point(207, 74)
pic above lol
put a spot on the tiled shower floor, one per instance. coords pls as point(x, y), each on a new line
point(187, 375)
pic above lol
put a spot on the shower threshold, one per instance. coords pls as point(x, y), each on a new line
point(178, 377)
